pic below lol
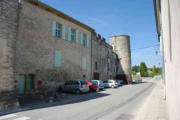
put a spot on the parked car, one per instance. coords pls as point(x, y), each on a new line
point(110, 83)
point(76, 86)
point(99, 84)
point(92, 86)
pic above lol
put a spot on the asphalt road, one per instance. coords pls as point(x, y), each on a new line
point(111, 104)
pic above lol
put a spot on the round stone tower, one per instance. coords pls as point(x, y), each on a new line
point(121, 46)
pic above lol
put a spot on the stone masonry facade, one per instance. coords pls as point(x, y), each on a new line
point(8, 37)
point(41, 48)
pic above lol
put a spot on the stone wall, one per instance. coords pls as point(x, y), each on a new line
point(8, 36)
point(36, 45)
point(103, 55)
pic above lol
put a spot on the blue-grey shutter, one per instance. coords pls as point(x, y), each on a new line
point(69, 33)
point(64, 31)
point(84, 62)
point(77, 36)
point(53, 28)
point(81, 38)
point(57, 59)
point(87, 40)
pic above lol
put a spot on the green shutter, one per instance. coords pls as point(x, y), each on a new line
point(84, 62)
point(87, 40)
point(21, 84)
point(57, 62)
point(29, 78)
point(64, 31)
point(53, 28)
point(81, 38)
point(69, 33)
point(77, 36)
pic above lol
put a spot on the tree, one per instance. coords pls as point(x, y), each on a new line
point(135, 68)
point(156, 71)
point(133, 72)
point(143, 69)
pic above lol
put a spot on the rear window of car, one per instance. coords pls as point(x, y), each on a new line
point(110, 81)
point(83, 82)
point(106, 81)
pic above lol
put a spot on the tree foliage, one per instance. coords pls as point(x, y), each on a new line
point(143, 69)
point(136, 68)
point(156, 71)
point(133, 72)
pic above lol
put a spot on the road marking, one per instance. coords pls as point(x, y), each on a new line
point(22, 118)
point(7, 116)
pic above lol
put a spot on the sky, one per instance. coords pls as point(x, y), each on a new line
point(110, 17)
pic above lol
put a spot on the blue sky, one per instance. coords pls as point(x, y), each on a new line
point(109, 17)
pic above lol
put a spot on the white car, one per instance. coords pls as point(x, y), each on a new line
point(110, 83)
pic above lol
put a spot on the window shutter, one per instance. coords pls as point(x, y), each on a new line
point(64, 31)
point(53, 28)
point(84, 62)
point(87, 40)
point(77, 36)
point(57, 60)
point(81, 38)
point(69, 33)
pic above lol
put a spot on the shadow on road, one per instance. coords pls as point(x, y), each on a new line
point(27, 103)
point(139, 82)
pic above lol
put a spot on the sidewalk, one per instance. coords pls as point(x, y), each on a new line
point(155, 106)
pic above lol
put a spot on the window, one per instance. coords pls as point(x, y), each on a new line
point(58, 30)
point(84, 62)
point(73, 35)
point(57, 59)
point(84, 40)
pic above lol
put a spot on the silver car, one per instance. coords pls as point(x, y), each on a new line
point(76, 86)
point(110, 83)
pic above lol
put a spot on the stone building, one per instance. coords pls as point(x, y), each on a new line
point(168, 30)
point(41, 47)
point(103, 59)
point(48, 41)
point(8, 37)
point(121, 46)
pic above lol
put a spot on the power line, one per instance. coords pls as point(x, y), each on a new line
point(157, 45)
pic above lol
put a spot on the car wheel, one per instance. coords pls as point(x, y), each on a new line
point(78, 91)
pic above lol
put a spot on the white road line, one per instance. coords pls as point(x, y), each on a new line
point(22, 118)
point(7, 116)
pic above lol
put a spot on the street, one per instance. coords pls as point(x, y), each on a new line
point(111, 104)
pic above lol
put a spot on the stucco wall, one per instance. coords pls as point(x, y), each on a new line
point(171, 39)
point(36, 45)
